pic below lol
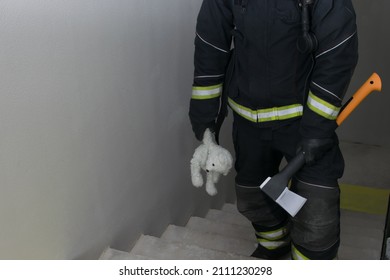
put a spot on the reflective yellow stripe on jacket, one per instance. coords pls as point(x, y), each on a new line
point(206, 92)
point(322, 108)
point(265, 115)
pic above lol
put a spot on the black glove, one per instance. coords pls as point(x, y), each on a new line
point(199, 129)
point(315, 149)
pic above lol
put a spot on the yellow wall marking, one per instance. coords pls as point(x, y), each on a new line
point(364, 199)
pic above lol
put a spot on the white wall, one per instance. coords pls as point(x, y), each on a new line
point(95, 141)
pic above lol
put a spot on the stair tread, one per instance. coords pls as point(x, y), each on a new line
point(361, 242)
point(226, 217)
point(226, 234)
point(347, 252)
point(209, 240)
point(230, 207)
point(362, 220)
point(157, 248)
point(113, 254)
point(218, 227)
point(358, 230)
point(350, 214)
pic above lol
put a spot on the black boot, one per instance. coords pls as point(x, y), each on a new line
point(276, 254)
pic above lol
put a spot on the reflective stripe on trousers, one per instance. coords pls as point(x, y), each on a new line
point(273, 239)
point(297, 255)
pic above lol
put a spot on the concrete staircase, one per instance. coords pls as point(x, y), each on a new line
point(226, 234)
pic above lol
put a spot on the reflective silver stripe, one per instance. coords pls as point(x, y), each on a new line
point(338, 45)
point(314, 185)
point(296, 255)
point(324, 89)
point(322, 108)
point(269, 114)
point(274, 234)
point(247, 187)
point(271, 245)
point(209, 76)
point(206, 92)
point(215, 47)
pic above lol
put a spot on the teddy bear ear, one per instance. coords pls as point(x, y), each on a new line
point(223, 159)
point(226, 160)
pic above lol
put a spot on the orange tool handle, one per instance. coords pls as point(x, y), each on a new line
point(372, 84)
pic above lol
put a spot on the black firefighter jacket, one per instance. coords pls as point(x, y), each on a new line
point(272, 81)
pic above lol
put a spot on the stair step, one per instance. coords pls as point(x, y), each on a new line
point(209, 240)
point(364, 215)
point(230, 207)
point(358, 230)
point(347, 252)
point(226, 234)
point(361, 238)
point(113, 254)
point(225, 229)
point(361, 243)
point(159, 249)
point(363, 220)
point(226, 217)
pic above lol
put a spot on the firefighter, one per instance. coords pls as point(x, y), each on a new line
point(284, 67)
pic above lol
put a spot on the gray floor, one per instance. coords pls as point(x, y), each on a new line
point(366, 165)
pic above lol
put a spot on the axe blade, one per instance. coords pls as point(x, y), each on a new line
point(276, 187)
point(288, 200)
point(291, 202)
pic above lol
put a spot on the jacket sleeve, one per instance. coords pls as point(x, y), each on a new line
point(212, 48)
point(334, 24)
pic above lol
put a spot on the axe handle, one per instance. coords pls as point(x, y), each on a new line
point(372, 84)
point(292, 167)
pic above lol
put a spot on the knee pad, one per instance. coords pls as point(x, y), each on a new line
point(316, 228)
point(258, 207)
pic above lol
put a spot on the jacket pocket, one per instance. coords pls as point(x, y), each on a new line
point(288, 11)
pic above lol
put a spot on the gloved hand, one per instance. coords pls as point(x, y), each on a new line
point(199, 129)
point(314, 149)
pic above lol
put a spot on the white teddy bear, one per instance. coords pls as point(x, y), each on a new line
point(211, 158)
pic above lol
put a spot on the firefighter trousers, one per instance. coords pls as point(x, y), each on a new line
point(315, 231)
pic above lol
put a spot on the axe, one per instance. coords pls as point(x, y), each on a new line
point(276, 187)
